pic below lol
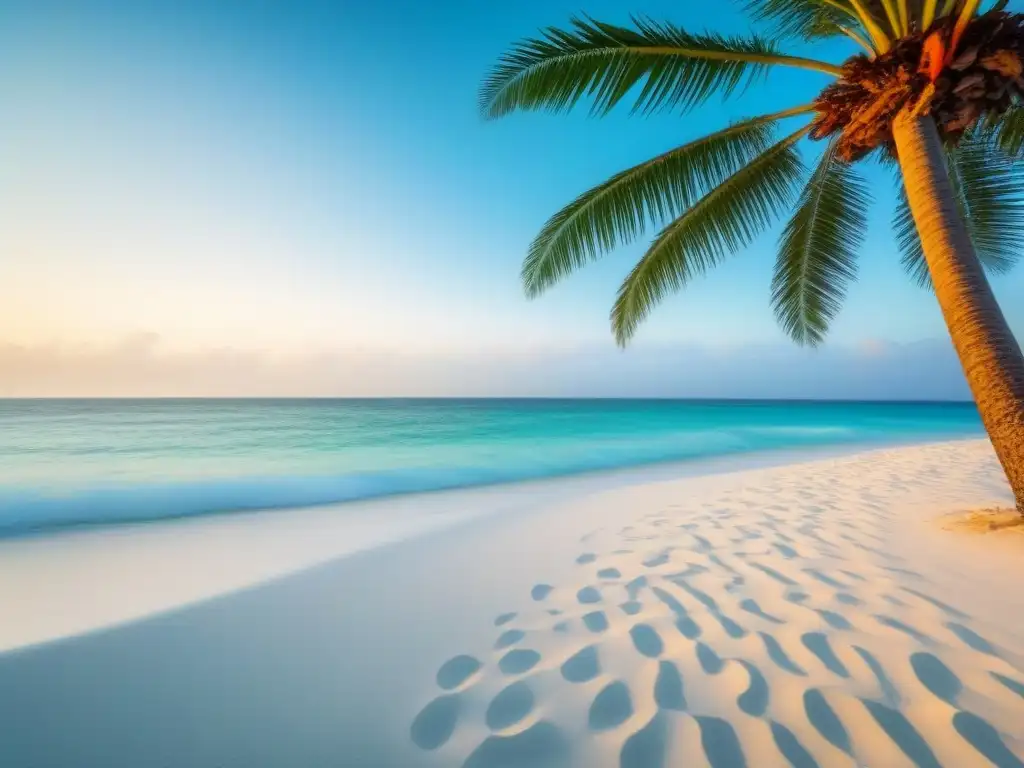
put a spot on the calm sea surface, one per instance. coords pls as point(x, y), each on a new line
point(65, 462)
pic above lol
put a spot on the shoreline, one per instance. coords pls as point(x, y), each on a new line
point(549, 621)
point(727, 461)
point(71, 570)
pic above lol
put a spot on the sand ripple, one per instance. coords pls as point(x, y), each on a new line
point(771, 623)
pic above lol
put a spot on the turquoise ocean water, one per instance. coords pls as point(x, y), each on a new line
point(68, 462)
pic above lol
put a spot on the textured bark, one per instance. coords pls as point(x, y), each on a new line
point(990, 356)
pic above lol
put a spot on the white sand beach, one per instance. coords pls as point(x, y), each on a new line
point(816, 613)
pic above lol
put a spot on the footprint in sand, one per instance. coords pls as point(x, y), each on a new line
point(710, 661)
point(750, 606)
point(706, 591)
point(779, 657)
point(786, 551)
point(509, 707)
point(936, 677)
point(647, 641)
point(686, 625)
point(647, 747)
point(834, 620)
point(583, 666)
point(595, 621)
point(906, 629)
point(721, 745)
point(818, 644)
point(1014, 685)
point(509, 637)
point(903, 734)
point(435, 723)
point(668, 688)
point(456, 671)
point(986, 739)
point(518, 661)
point(541, 591)
point(888, 689)
point(972, 639)
point(772, 573)
point(657, 560)
point(633, 587)
point(632, 607)
point(731, 628)
point(611, 707)
point(754, 700)
point(825, 720)
point(791, 748)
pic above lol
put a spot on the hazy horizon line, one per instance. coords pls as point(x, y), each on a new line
point(485, 398)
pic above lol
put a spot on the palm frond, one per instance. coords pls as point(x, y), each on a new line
point(1010, 132)
point(886, 159)
point(967, 10)
point(909, 242)
point(804, 19)
point(859, 40)
point(647, 195)
point(892, 16)
point(605, 63)
point(724, 220)
point(818, 250)
point(870, 17)
point(989, 190)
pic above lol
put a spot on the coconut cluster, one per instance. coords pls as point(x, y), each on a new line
point(983, 77)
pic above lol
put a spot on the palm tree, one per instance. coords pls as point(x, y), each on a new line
point(937, 95)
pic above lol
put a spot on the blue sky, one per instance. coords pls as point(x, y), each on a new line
point(297, 187)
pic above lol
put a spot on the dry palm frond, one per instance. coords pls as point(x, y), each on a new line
point(981, 77)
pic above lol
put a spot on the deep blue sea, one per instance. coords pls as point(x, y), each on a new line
point(67, 462)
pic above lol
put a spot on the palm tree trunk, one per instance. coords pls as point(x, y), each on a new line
point(990, 356)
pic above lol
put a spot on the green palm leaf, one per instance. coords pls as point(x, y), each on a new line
point(605, 62)
point(989, 190)
point(646, 195)
point(724, 220)
point(805, 19)
point(1010, 132)
point(818, 250)
point(909, 242)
